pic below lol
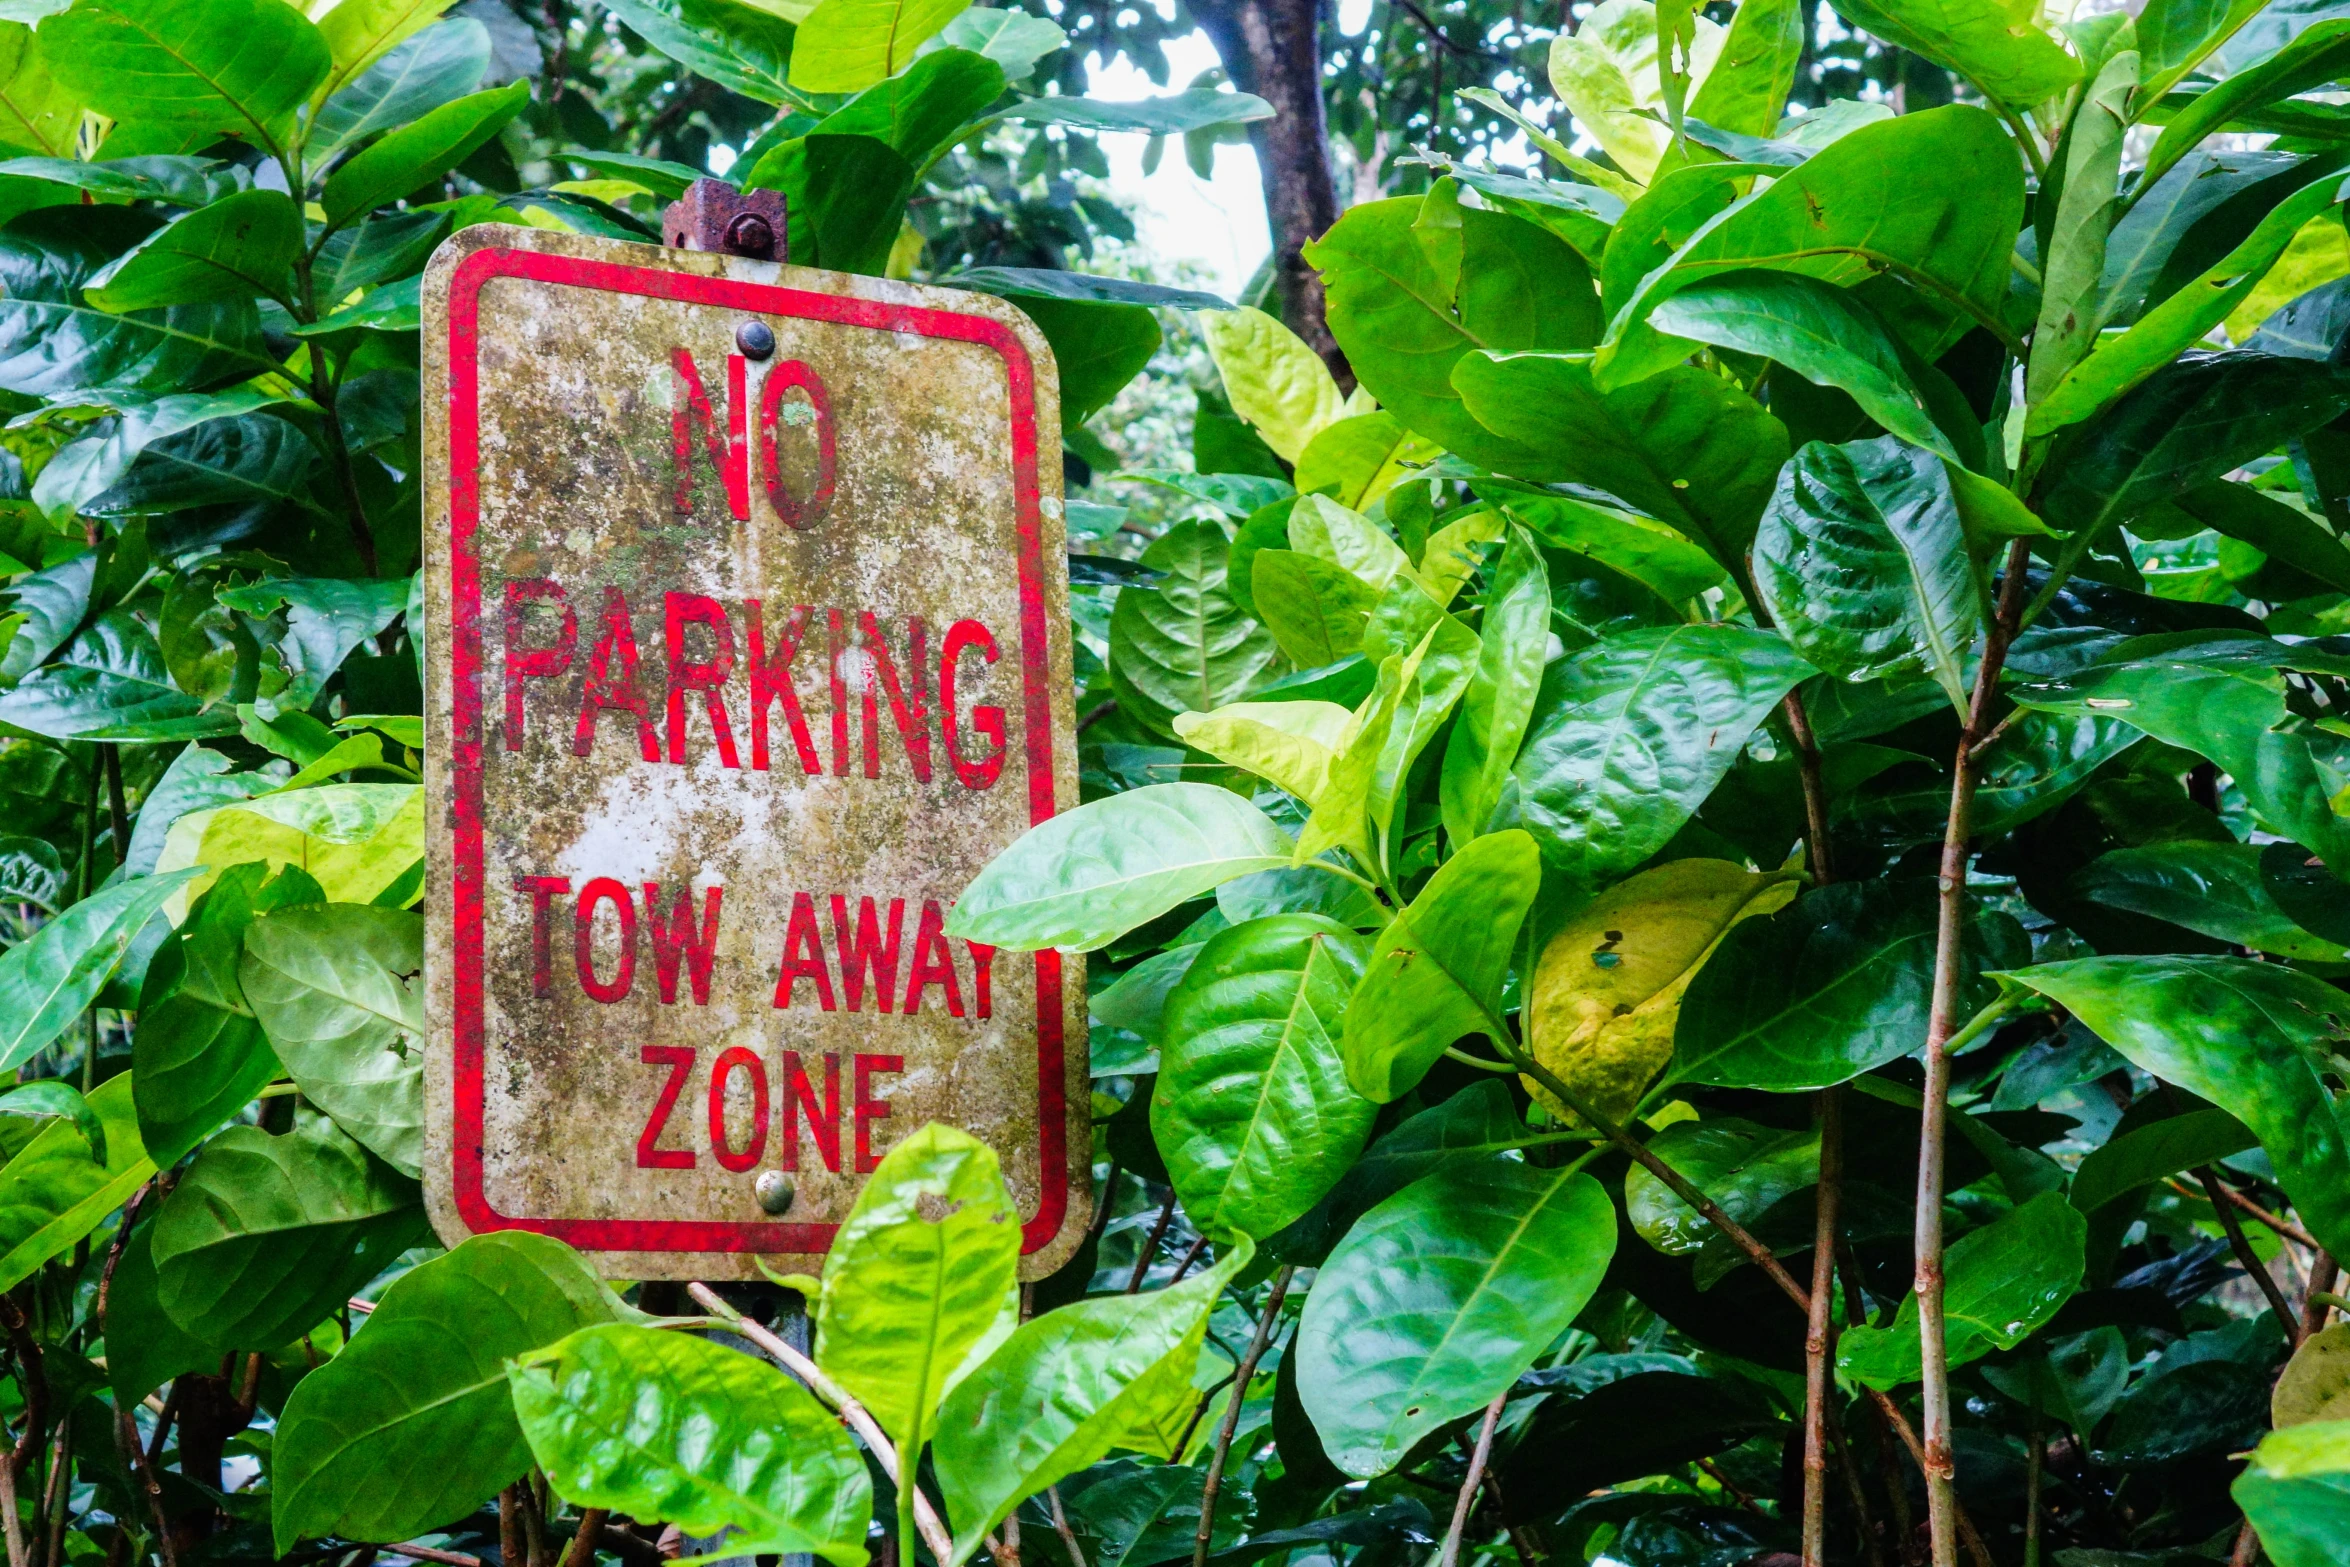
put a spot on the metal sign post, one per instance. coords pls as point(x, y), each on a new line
point(747, 647)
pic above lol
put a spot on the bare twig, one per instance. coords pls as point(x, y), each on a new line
point(1819, 1337)
point(425, 1553)
point(582, 1551)
point(2241, 1245)
point(1189, 1257)
point(15, 1527)
point(36, 1383)
point(1240, 1380)
point(1460, 1509)
point(1150, 1248)
point(511, 1550)
point(1815, 791)
point(1052, 1497)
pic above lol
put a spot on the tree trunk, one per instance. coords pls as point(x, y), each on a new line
point(1273, 48)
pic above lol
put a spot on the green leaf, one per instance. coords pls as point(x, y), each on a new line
point(2296, 1492)
point(1014, 40)
point(1272, 379)
point(326, 620)
point(53, 1194)
point(264, 1236)
point(1436, 973)
point(2281, 532)
point(244, 460)
point(1292, 744)
point(383, 245)
point(339, 990)
point(2139, 251)
point(1608, 73)
point(110, 683)
point(54, 343)
point(1935, 198)
point(1646, 551)
point(2174, 36)
point(1064, 1390)
point(1513, 646)
point(360, 33)
point(238, 247)
point(31, 872)
point(1996, 44)
point(1316, 611)
point(847, 45)
point(2004, 1280)
point(2252, 1038)
point(172, 179)
point(1686, 447)
point(354, 840)
point(1837, 984)
point(1182, 644)
point(2314, 57)
point(228, 67)
point(2136, 1158)
point(2212, 888)
point(2073, 240)
point(2121, 363)
point(1441, 1297)
point(744, 48)
point(1051, 283)
point(665, 180)
point(144, 1347)
point(48, 980)
point(1172, 114)
point(198, 1053)
point(1862, 561)
point(663, 1425)
point(927, 109)
point(1252, 1110)
point(411, 1426)
point(1631, 734)
point(37, 112)
point(921, 1280)
point(84, 469)
point(1097, 348)
point(1747, 89)
point(1405, 324)
point(1743, 1167)
point(419, 154)
point(1087, 876)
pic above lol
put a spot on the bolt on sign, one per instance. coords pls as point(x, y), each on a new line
point(747, 649)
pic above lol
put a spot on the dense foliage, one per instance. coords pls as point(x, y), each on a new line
point(1713, 901)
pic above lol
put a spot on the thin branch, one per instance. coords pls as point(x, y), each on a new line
point(1815, 791)
point(1819, 1337)
point(1240, 1380)
point(1460, 1509)
point(2241, 1245)
point(582, 1552)
point(1052, 1498)
point(1150, 1248)
point(425, 1553)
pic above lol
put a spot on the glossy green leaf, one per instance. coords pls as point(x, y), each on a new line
point(411, 1426)
point(339, 990)
point(1098, 347)
point(1316, 611)
point(1436, 972)
point(1607, 71)
point(1065, 1389)
point(2073, 239)
point(419, 153)
point(745, 48)
point(53, 1194)
point(1405, 324)
point(2281, 532)
point(2315, 1384)
point(52, 342)
point(109, 683)
point(1087, 876)
point(31, 872)
point(233, 67)
point(1252, 1110)
point(1743, 1167)
point(1631, 734)
point(1441, 1297)
point(54, 603)
point(1513, 646)
point(621, 1417)
point(1862, 561)
point(199, 1055)
point(1646, 551)
point(2174, 36)
point(264, 1236)
point(1747, 89)
point(2002, 1281)
point(49, 979)
point(144, 1347)
point(2252, 1038)
point(1272, 379)
point(378, 247)
point(1182, 644)
point(2315, 56)
point(38, 113)
point(243, 245)
point(2212, 888)
point(1015, 40)
point(354, 840)
point(2296, 1492)
point(1686, 447)
point(846, 45)
point(1292, 744)
point(96, 463)
point(1359, 459)
point(2159, 223)
point(1837, 984)
point(1996, 44)
point(1170, 114)
point(246, 460)
point(2148, 1153)
point(361, 33)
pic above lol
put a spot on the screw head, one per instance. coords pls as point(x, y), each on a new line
point(773, 1189)
point(754, 339)
point(750, 235)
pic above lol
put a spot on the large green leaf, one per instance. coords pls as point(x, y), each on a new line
point(2147, 1153)
point(144, 1347)
point(240, 246)
point(339, 990)
point(745, 48)
point(1836, 984)
point(411, 1426)
point(1405, 320)
point(2213, 888)
point(1316, 611)
point(419, 154)
point(1742, 1167)
point(2002, 1281)
point(2072, 237)
point(1441, 1297)
point(1687, 447)
point(1182, 644)
point(227, 67)
point(248, 459)
point(2296, 1492)
point(1934, 197)
point(1513, 645)
point(94, 463)
point(1862, 561)
point(38, 113)
point(2282, 532)
point(920, 1280)
point(1436, 972)
point(53, 1194)
point(354, 840)
point(1097, 347)
point(53, 342)
point(1089, 875)
point(439, 65)
point(110, 683)
point(1172, 114)
point(360, 33)
point(1064, 1390)
point(1996, 44)
point(663, 1425)
point(264, 1236)
point(48, 980)
point(199, 1055)
point(1648, 552)
point(2252, 1038)
point(1746, 91)
point(848, 45)
point(2316, 55)
point(2174, 36)
point(2159, 223)
point(1252, 1111)
point(1632, 733)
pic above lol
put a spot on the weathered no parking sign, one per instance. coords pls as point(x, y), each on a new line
point(747, 647)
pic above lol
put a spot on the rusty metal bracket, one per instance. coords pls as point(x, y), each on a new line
point(713, 215)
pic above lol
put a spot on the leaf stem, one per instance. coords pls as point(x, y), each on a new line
point(1477, 1061)
point(1460, 1509)
point(1224, 1433)
point(1820, 1333)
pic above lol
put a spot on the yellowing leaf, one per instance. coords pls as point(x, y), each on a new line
point(1292, 744)
point(1362, 457)
point(1608, 989)
point(1275, 382)
point(1454, 551)
point(360, 32)
point(1347, 539)
point(2318, 254)
point(848, 45)
point(356, 840)
point(1606, 73)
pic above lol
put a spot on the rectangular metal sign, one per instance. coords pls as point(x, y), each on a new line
point(746, 631)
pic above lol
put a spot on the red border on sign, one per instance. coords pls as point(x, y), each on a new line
point(684, 1235)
